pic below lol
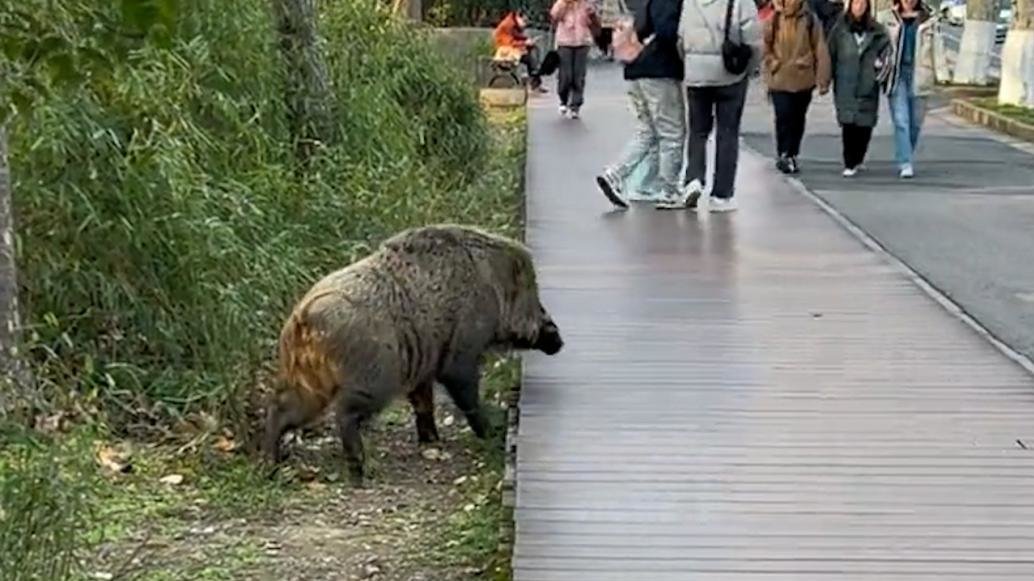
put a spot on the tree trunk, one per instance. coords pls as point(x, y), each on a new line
point(416, 10)
point(978, 43)
point(308, 91)
point(1017, 84)
point(942, 72)
point(16, 388)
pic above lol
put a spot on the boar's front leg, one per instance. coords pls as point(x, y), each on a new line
point(422, 400)
point(462, 381)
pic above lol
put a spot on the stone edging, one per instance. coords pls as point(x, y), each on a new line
point(508, 485)
point(992, 120)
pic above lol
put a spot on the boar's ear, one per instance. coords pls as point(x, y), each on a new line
point(523, 269)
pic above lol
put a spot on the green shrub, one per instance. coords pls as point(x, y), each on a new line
point(163, 233)
point(47, 504)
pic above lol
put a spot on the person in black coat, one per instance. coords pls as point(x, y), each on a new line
point(654, 78)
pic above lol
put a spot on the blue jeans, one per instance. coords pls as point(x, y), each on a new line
point(907, 111)
point(660, 133)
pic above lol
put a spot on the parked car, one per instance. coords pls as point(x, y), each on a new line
point(953, 12)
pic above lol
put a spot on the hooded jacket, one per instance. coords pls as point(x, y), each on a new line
point(858, 67)
point(922, 59)
point(701, 32)
point(796, 55)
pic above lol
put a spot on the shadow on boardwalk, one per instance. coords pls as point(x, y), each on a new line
point(751, 396)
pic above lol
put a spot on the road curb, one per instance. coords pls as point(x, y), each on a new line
point(991, 120)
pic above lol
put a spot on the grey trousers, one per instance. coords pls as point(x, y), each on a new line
point(660, 114)
point(571, 76)
point(708, 107)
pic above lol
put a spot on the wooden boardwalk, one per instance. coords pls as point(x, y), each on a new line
point(753, 396)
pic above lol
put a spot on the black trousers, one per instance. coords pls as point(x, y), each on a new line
point(791, 108)
point(574, 61)
point(856, 144)
point(530, 59)
point(708, 107)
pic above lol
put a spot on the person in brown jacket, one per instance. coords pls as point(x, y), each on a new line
point(796, 61)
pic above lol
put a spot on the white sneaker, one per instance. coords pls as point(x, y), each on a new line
point(689, 198)
point(668, 199)
point(850, 172)
point(907, 172)
point(563, 110)
point(724, 204)
point(610, 185)
point(575, 114)
point(696, 200)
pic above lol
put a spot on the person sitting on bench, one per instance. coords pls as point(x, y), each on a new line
point(511, 44)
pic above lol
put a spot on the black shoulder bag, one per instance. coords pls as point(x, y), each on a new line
point(735, 55)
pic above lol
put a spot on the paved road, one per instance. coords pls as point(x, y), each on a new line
point(753, 396)
point(966, 223)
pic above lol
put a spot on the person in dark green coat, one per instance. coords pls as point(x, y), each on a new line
point(861, 54)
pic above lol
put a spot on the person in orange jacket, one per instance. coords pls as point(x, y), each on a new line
point(512, 44)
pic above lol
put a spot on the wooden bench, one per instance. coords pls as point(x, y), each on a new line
point(496, 73)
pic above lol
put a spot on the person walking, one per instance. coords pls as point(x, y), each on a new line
point(796, 61)
point(716, 89)
point(574, 20)
point(655, 91)
point(861, 54)
point(911, 32)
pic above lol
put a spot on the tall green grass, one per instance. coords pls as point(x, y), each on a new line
point(163, 234)
point(48, 501)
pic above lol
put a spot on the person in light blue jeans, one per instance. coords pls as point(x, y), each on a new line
point(655, 92)
point(911, 80)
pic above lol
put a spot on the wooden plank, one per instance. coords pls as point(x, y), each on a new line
point(751, 396)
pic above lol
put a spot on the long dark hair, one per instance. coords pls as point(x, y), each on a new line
point(866, 22)
point(921, 8)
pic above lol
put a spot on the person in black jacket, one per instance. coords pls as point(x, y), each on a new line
point(654, 87)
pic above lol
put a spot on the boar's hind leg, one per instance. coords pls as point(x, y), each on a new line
point(422, 400)
point(462, 383)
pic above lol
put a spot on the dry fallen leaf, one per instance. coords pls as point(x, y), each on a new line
point(173, 479)
point(307, 473)
point(224, 444)
point(114, 460)
point(51, 423)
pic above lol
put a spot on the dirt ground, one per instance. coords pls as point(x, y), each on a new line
point(428, 513)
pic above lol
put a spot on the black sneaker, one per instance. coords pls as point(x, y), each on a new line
point(608, 184)
point(795, 168)
point(783, 164)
